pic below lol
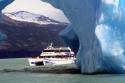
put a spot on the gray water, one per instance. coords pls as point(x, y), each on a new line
point(28, 77)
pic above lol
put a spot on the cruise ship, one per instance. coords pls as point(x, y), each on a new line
point(53, 56)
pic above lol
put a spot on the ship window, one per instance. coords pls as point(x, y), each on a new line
point(64, 50)
point(48, 50)
point(57, 51)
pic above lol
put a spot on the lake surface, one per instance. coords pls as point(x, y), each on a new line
point(27, 77)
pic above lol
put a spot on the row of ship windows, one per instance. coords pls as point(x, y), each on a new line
point(54, 57)
point(56, 51)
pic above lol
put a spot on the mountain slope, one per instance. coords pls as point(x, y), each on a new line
point(24, 18)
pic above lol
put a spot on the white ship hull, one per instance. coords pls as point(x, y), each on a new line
point(50, 61)
point(55, 61)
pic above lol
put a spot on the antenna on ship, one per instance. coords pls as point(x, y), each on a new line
point(50, 46)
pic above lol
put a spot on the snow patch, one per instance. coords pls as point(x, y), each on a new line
point(29, 17)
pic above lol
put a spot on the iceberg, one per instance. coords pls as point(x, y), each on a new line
point(4, 3)
point(96, 33)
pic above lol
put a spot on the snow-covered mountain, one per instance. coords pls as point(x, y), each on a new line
point(21, 18)
point(36, 7)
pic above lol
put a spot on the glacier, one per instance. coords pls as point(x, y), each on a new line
point(96, 33)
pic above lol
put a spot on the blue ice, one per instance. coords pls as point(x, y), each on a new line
point(96, 33)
